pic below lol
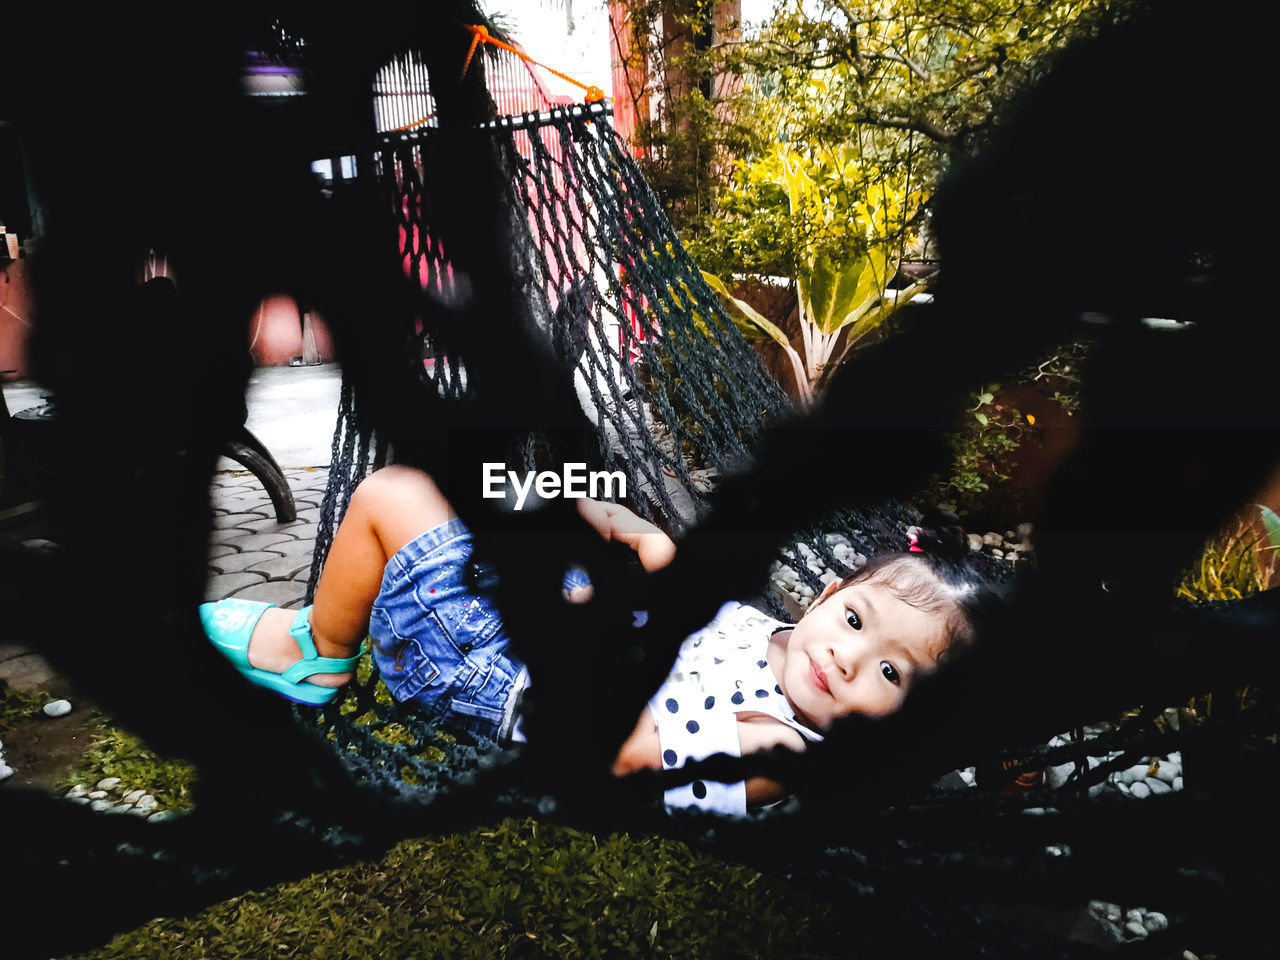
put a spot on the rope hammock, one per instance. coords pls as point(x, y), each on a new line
point(676, 393)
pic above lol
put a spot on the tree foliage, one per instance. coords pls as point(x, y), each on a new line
point(863, 93)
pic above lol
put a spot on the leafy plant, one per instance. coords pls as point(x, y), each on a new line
point(1234, 564)
point(841, 275)
point(980, 448)
point(1062, 369)
point(1271, 523)
point(17, 706)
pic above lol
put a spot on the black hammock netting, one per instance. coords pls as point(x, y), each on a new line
point(676, 392)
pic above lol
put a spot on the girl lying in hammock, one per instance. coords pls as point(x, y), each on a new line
point(745, 682)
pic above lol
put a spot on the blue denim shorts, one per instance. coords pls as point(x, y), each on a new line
point(438, 640)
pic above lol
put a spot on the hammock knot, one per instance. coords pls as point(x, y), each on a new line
point(480, 34)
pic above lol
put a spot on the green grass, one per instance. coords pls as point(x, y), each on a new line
point(18, 706)
point(113, 752)
point(517, 889)
point(119, 753)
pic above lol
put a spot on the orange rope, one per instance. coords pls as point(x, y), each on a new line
point(480, 34)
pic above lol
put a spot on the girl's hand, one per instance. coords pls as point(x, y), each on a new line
point(641, 750)
point(615, 522)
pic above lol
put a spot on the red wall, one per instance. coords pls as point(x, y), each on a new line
point(15, 317)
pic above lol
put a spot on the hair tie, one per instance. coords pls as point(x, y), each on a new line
point(913, 535)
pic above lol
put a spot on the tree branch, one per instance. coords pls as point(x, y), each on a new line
point(919, 72)
point(933, 131)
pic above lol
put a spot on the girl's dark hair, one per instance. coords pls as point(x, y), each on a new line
point(944, 576)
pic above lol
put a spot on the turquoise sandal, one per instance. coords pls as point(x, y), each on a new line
point(229, 624)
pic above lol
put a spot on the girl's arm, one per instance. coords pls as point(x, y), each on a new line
point(642, 750)
point(756, 733)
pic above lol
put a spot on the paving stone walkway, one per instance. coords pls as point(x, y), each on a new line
point(253, 556)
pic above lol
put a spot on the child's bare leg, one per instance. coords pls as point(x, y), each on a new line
point(388, 509)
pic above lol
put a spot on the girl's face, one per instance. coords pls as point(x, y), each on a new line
point(857, 650)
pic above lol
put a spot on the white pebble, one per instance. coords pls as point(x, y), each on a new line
point(80, 800)
point(1157, 786)
point(998, 554)
point(99, 805)
point(1105, 910)
point(1155, 922)
point(121, 808)
point(97, 794)
point(79, 790)
point(6, 771)
point(1135, 928)
point(160, 815)
point(108, 783)
point(1140, 790)
point(805, 590)
point(1134, 774)
point(829, 577)
point(57, 708)
point(146, 802)
point(975, 542)
point(1168, 770)
point(1057, 776)
point(1134, 913)
point(1177, 783)
point(133, 796)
